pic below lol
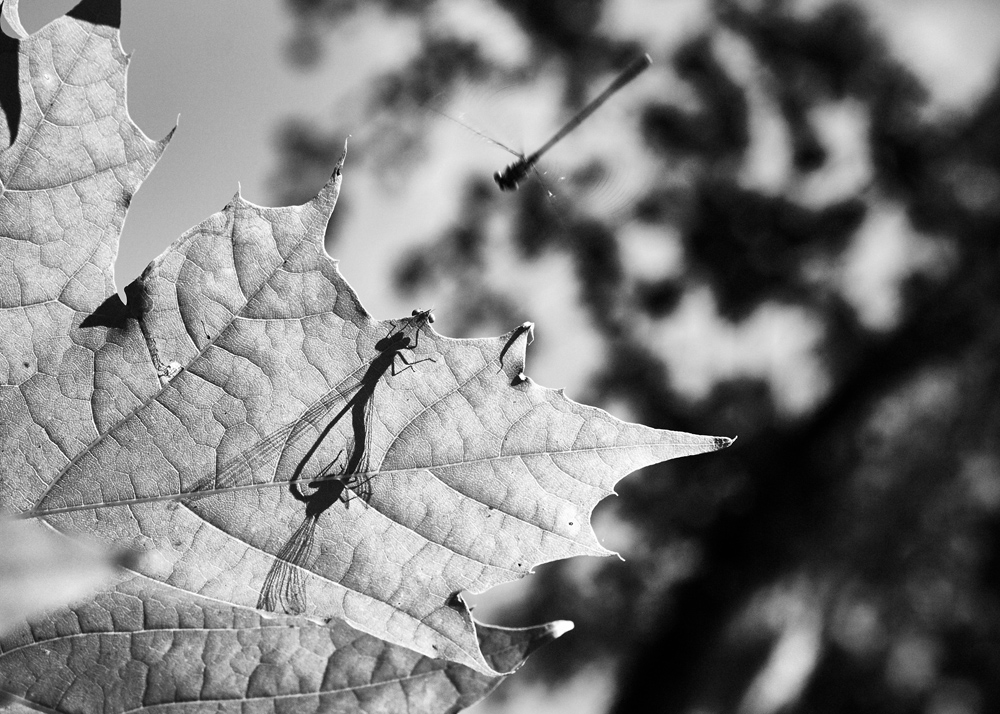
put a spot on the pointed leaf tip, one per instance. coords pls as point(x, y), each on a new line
point(339, 167)
point(10, 14)
point(558, 628)
point(506, 648)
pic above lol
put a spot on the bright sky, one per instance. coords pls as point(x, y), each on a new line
point(221, 67)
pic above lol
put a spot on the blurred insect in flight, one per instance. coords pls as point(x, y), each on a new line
point(516, 172)
point(283, 590)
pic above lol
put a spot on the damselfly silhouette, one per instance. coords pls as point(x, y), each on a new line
point(264, 464)
point(283, 588)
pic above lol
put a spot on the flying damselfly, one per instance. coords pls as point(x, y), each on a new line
point(510, 177)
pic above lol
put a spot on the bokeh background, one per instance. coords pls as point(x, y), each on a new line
point(788, 229)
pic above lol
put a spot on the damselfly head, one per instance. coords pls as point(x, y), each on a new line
point(511, 177)
point(424, 314)
point(503, 180)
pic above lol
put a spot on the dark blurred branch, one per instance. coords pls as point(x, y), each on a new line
point(796, 472)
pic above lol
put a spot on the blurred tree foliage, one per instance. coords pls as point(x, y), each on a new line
point(845, 557)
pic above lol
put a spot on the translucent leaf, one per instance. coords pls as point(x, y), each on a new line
point(245, 423)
